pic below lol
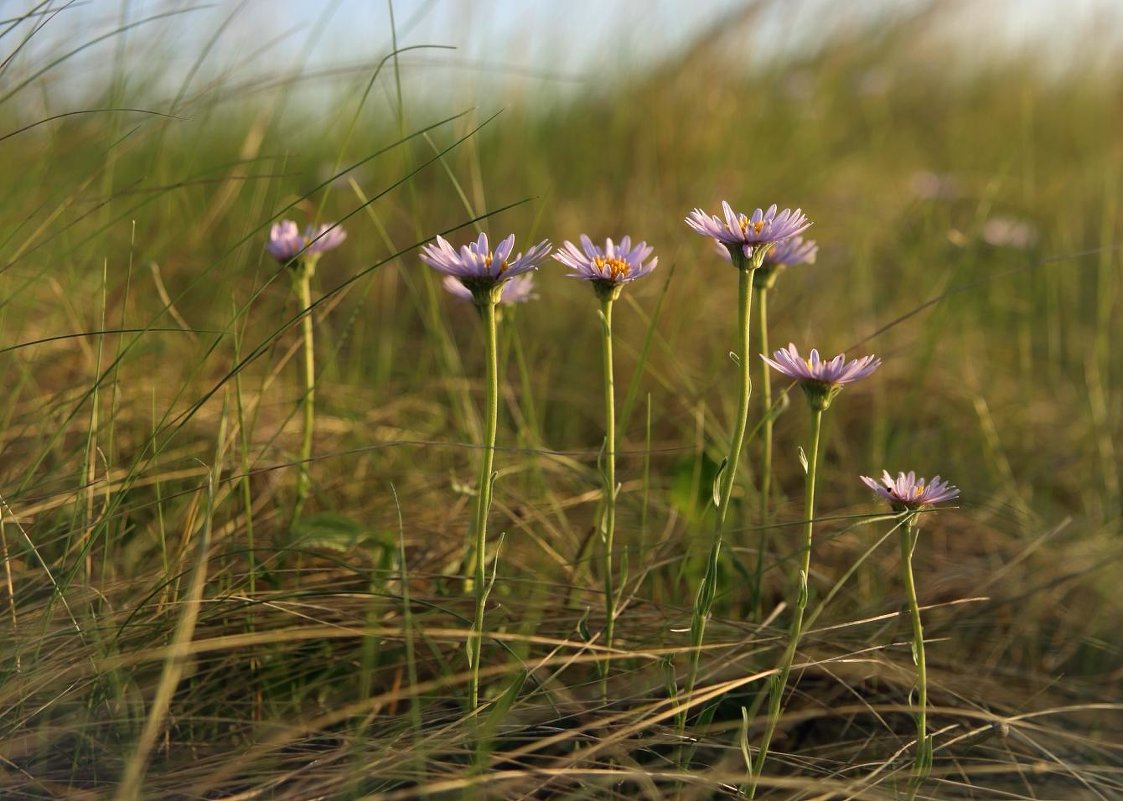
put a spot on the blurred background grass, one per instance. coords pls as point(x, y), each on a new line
point(965, 198)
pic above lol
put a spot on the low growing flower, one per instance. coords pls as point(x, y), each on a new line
point(607, 268)
point(286, 242)
point(821, 380)
point(909, 493)
point(748, 238)
point(479, 269)
point(519, 289)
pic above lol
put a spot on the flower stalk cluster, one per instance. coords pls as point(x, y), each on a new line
point(747, 239)
point(760, 246)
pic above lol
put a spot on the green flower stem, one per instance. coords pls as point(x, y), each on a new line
point(766, 454)
point(923, 764)
point(483, 496)
point(303, 281)
point(708, 588)
point(779, 683)
point(609, 475)
point(766, 397)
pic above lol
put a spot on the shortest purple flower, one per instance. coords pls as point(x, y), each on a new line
point(287, 243)
point(607, 268)
point(908, 493)
point(519, 289)
point(479, 269)
point(821, 380)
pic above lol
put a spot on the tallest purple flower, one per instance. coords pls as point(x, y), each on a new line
point(748, 237)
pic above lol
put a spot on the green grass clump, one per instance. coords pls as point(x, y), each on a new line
point(171, 633)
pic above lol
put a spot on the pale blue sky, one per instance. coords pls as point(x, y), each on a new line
point(519, 47)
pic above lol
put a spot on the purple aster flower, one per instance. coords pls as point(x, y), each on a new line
point(791, 252)
point(909, 493)
point(519, 289)
point(286, 242)
point(748, 238)
point(327, 237)
point(480, 269)
point(821, 380)
point(610, 267)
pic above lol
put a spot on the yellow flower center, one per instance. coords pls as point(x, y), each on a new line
point(748, 225)
point(616, 268)
point(490, 257)
point(918, 490)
